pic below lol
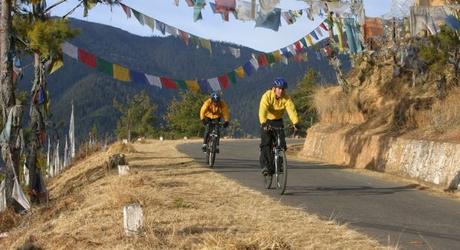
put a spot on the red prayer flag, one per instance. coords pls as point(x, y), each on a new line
point(223, 80)
point(298, 46)
point(185, 36)
point(322, 25)
point(126, 9)
point(190, 3)
point(87, 58)
point(262, 59)
point(225, 5)
point(168, 83)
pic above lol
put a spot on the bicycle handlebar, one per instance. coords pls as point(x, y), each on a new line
point(272, 128)
point(216, 123)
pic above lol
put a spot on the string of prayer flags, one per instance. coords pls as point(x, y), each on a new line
point(270, 19)
point(294, 51)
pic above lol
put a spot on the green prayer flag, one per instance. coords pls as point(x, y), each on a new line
point(139, 16)
point(104, 66)
point(181, 84)
point(195, 40)
point(232, 77)
point(270, 58)
point(304, 42)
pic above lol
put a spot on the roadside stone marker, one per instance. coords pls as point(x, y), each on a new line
point(161, 138)
point(123, 170)
point(133, 218)
point(2, 196)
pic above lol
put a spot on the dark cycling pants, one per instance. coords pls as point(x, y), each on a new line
point(266, 141)
point(208, 128)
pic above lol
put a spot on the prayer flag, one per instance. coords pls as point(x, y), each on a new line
point(121, 73)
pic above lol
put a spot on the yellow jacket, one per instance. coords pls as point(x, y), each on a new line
point(273, 109)
point(214, 110)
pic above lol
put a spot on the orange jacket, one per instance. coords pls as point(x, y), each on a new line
point(214, 110)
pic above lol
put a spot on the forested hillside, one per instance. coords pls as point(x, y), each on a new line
point(92, 92)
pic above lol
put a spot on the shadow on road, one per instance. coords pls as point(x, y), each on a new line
point(348, 190)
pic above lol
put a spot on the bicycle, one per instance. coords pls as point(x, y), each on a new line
point(278, 158)
point(212, 142)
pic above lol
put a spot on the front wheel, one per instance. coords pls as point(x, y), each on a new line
point(212, 153)
point(268, 181)
point(281, 172)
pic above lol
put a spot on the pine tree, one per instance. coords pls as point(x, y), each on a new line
point(137, 116)
point(302, 97)
point(183, 115)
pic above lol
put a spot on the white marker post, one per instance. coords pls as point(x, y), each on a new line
point(123, 170)
point(133, 219)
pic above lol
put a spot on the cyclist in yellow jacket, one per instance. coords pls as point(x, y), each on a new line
point(273, 104)
point(212, 111)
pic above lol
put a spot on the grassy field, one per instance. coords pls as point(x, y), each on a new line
point(185, 206)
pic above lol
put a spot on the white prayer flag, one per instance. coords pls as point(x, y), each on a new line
point(214, 83)
point(71, 134)
point(2, 196)
point(154, 80)
point(70, 50)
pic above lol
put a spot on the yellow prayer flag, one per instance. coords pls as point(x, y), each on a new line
point(309, 40)
point(277, 55)
point(240, 72)
point(193, 85)
point(206, 44)
point(121, 73)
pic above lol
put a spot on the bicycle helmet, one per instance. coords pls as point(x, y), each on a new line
point(279, 82)
point(215, 97)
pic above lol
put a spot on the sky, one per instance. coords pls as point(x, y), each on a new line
point(212, 26)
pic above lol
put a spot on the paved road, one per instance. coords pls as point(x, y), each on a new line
point(395, 214)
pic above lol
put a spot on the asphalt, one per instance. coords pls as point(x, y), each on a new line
point(395, 214)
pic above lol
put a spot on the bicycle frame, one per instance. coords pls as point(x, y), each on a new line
point(212, 141)
point(277, 148)
point(280, 173)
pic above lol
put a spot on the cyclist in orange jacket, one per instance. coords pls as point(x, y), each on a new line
point(212, 111)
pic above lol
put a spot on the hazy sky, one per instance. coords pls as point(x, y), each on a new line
point(211, 26)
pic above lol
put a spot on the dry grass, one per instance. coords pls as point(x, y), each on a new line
point(8, 219)
point(185, 206)
point(334, 106)
point(444, 115)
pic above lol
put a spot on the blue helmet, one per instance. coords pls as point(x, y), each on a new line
point(215, 97)
point(279, 82)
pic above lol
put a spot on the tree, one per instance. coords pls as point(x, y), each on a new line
point(234, 129)
point(183, 115)
point(303, 98)
point(442, 49)
point(8, 102)
point(93, 134)
point(136, 116)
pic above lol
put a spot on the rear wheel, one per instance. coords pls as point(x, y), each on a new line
point(281, 172)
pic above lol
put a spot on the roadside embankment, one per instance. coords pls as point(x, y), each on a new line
point(429, 161)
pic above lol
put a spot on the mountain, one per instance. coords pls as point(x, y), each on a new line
point(92, 91)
